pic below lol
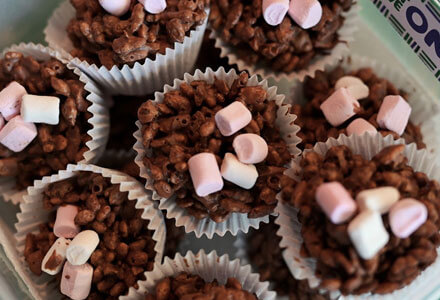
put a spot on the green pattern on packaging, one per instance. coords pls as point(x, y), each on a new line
point(418, 23)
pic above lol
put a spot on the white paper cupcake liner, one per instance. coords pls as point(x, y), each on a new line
point(33, 214)
point(100, 120)
point(236, 221)
point(140, 79)
point(425, 110)
point(281, 79)
point(208, 266)
point(290, 228)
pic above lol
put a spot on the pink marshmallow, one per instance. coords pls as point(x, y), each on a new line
point(65, 222)
point(10, 100)
point(250, 148)
point(360, 126)
point(306, 13)
point(394, 114)
point(232, 118)
point(274, 11)
point(76, 281)
point(406, 216)
point(335, 201)
point(115, 7)
point(205, 174)
point(17, 134)
point(339, 107)
point(154, 6)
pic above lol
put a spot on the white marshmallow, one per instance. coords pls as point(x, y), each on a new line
point(40, 109)
point(367, 233)
point(357, 88)
point(115, 7)
point(378, 199)
point(54, 259)
point(154, 6)
point(235, 171)
point(82, 247)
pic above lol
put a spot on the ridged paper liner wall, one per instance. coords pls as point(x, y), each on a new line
point(290, 228)
point(100, 120)
point(32, 214)
point(208, 266)
point(425, 110)
point(140, 79)
point(236, 222)
point(320, 62)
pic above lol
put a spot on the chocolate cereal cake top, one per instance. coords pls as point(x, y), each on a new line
point(282, 44)
point(175, 235)
point(371, 96)
point(192, 139)
point(379, 242)
point(116, 36)
point(96, 240)
point(186, 286)
point(44, 118)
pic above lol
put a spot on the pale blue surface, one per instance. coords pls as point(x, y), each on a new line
point(8, 282)
point(24, 20)
point(10, 287)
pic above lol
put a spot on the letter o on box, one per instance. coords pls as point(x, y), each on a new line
point(410, 12)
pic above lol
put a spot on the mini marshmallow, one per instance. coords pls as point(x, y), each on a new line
point(40, 109)
point(82, 247)
point(306, 13)
point(406, 216)
point(54, 259)
point(355, 86)
point(10, 100)
point(65, 222)
point(335, 201)
point(339, 107)
point(154, 6)
point(232, 118)
point(360, 126)
point(115, 7)
point(250, 148)
point(368, 234)
point(394, 114)
point(17, 134)
point(235, 171)
point(76, 281)
point(205, 174)
point(274, 11)
point(379, 199)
